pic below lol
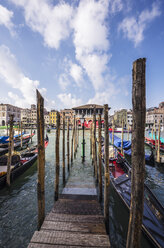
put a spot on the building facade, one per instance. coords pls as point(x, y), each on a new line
point(123, 115)
point(69, 114)
point(47, 118)
point(86, 112)
point(154, 116)
point(26, 117)
point(6, 110)
point(53, 117)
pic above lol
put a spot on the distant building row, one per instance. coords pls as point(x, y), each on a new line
point(29, 116)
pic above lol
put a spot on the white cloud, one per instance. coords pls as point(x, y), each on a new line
point(69, 101)
point(12, 75)
point(52, 22)
point(115, 6)
point(133, 28)
point(64, 81)
point(76, 73)
point(91, 39)
point(5, 19)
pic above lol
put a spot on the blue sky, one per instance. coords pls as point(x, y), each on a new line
point(78, 52)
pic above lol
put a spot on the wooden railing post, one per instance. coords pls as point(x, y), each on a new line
point(68, 144)
point(158, 150)
point(138, 154)
point(10, 151)
point(99, 157)
point(57, 157)
point(41, 159)
point(106, 176)
point(64, 148)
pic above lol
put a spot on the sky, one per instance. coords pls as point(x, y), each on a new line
point(80, 52)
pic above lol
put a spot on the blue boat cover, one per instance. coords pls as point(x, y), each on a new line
point(129, 152)
point(4, 139)
point(117, 142)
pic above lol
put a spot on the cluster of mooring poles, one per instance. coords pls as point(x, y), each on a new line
point(10, 133)
point(41, 155)
point(138, 156)
point(157, 141)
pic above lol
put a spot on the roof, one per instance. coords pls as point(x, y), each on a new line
point(89, 106)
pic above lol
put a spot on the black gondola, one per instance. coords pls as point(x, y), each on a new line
point(153, 214)
point(19, 164)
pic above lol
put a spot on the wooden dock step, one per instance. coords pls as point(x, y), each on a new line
point(73, 222)
point(70, 239)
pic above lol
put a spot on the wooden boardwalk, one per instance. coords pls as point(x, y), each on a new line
point(76, 219)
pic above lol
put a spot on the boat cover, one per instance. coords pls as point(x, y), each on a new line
point(4, 139)
point(117, 142)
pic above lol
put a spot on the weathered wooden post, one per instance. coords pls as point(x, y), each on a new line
point(94, 145)
point(10, 151)
point(122, 138)
point(99, 156)
point(138, 154)
point(72, 143)
point(128, 133)
point(74, 137)
point(152, 132)
point(57, 157)
point(106, 176)
point(21, 135)
point(91, 139)
point(7, 129)
point(68, 144)
point(64, 148)
point(31, 133)
point(155, 138)
point(41, 159)
point(158, 150)
point(112, 132)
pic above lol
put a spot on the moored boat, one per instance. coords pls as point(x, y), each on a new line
point(153, 214)
point(19, 164)
point(149, 156)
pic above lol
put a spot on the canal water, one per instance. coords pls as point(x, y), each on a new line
point(18, 206)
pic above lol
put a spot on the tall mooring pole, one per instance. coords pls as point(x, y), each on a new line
point(138, 154)
point(10, 151)
point(94, 145)
point(68, 144)
point(63, 148)
point(41, 159)
point(106, 176)
point(57, 157)
point(99, 158)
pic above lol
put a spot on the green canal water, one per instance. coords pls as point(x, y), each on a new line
point(18, 206)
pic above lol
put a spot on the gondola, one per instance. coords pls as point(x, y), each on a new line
point(151, 142)
point(4, 147)
point(153, 214)
point(5, 139)
point(149, 157)
point(19, 164)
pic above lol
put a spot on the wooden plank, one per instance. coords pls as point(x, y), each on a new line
point(62, 238)
point(36, 245)
point(75, 218)
point(95, 228)
point(77, 207)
